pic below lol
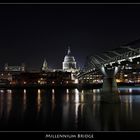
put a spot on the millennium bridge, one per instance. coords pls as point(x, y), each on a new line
point(109, 63)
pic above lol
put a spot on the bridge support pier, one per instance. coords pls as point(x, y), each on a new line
point(109, 90)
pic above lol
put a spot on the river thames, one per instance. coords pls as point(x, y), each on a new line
point(68, 110)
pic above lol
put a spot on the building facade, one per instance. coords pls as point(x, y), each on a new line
point(45, 66)
point(14, 68)
point(69, 63)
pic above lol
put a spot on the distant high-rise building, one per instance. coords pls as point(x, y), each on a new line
point(45, 66)
point(69, 63)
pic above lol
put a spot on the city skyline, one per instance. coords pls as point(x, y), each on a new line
point(69, 68)
point(30, 33)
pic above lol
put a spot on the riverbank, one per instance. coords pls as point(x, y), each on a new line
point(69, 86)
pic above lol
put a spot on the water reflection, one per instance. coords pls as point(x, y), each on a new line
point(53, 100)
point(38, 100)
point(5, 104)
point(76, 114)
point(127, 102)
point(67, 90)
point(8, 103)
point(1, 105)
point(82, 98)
point(67, 109)
point(76, 96)
point(110, 117)
point(24, 101)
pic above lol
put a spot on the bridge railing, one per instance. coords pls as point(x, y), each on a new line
point(95, 61)
point(125, 56)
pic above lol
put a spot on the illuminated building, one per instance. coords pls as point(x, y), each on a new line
point(91, 78)
point(48, 78)
point(9, 71)
point(5, 76)
point(45, 66)
point(69, 63)
point(128, 73)
point(14, 68)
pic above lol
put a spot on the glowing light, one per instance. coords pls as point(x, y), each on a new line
point(82, 98)
point(98, 90)
point(53, 97)
point(76, 113)
point(118, 80)
point(76, 96)
point(119, 62)
point(76, 81)
point(67, 90)
point(38, 100)
point(2, 91)
point(76, 90)
point(53, 82)
point(116, 70)
point(24, 82)
point(94, 90)
point(39, 91)
point(103, 70)
point(53, 91)
point(24, 91)
point(130, 90)
point(9, 91)
point(131, 60)
point(67, 97)
point(24, 100)
point(72, 77)
point(24, 96)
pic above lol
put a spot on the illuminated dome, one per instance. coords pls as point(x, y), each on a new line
point(69, 63)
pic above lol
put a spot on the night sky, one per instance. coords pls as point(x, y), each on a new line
point(29, 33)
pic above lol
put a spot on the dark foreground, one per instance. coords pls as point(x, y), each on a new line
point(68, 109)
